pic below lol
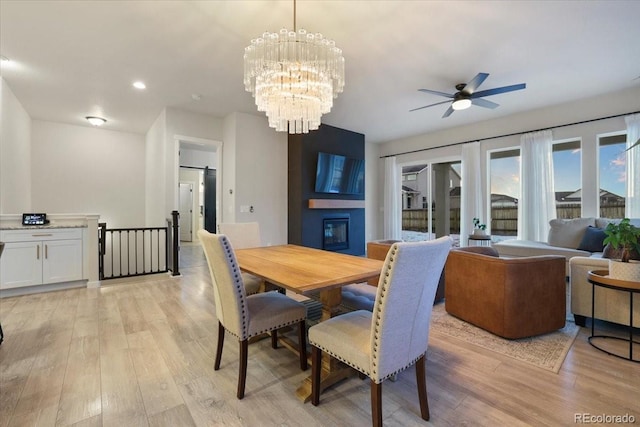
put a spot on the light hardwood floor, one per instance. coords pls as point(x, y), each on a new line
point(141, 352)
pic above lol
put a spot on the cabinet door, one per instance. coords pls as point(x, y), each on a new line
point(62, 261)
point(21, 264)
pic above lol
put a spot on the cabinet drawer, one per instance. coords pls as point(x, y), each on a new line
point(40, 234)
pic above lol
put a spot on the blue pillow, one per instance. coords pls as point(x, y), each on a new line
point(592, 240)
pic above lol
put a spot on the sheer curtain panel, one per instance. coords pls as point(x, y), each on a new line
point(392, 211)
point(632, 205)
point(471, 202)
point(537, 199)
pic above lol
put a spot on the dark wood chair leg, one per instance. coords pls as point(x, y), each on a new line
point(242, 375)
point(376, 404)
point(302, 342)
point(274, 338)
point(316, 367)
point(422, 388)
point(216, 366)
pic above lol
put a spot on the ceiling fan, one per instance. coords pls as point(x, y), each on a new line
point(466, 95)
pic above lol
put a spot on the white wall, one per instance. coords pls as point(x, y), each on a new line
point(373, 196)
point(228, 210)
point(79, 169)
point(198, 158)
point(592, 108)
point(259, 155)
point(15, 154)
point(156, 172)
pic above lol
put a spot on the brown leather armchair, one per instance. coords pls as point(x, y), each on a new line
point(509, 297)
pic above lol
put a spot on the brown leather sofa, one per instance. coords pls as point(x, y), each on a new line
point(509, 297)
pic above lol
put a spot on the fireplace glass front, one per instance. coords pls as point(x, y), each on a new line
point(336, 234)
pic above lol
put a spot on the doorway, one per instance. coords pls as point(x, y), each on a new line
point(431, 200)
point(186, 211)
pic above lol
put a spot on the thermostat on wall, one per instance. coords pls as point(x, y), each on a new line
point(34, 219)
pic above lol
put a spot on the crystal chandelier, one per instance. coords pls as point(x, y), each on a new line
point(294, 77)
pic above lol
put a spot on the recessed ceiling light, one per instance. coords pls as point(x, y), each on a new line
point(139, 85)
point(96, 121)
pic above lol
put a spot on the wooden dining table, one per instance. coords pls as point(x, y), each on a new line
point(306, 270)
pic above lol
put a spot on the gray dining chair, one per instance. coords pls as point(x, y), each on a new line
point(396, 335)
point(244, 235)
point(245, 316)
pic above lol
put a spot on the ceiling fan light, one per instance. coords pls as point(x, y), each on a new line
point(96, 121)
point(461, 104)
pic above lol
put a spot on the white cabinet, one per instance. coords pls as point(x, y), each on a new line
point(40, 256)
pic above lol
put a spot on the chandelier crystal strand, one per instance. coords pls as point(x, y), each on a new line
point(294, 77)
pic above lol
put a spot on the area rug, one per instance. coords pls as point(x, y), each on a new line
point(546, 351)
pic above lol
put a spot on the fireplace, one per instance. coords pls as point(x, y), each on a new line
point(335, 234)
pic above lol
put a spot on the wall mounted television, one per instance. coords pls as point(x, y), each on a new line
point(339, 175)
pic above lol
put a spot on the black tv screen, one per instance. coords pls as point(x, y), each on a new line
point(339, 174)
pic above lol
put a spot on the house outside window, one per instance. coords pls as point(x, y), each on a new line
point(567, 181)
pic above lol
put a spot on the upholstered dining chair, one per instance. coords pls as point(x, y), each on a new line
point(244, 235)
point(247, 316)
point(396, 334)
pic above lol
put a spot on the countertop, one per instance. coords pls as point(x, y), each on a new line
point(40, 227)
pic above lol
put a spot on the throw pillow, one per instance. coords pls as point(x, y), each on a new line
point(592, 240)
point(567, 233)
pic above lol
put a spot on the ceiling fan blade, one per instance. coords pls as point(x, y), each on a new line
point(498, 90)
point(435, 92)
point(431, 105)
point(484, 103)
point(475, 82)
point(448, 112)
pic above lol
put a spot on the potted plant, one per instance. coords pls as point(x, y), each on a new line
point(478, 228)
point(625, 237)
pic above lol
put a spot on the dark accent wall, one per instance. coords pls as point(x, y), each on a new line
point(305, 225)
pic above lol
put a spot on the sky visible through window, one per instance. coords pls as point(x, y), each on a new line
point(505, 176)
point(613, 168)
point(505, 172)
point(566, 170)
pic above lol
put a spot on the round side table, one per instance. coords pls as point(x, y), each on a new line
point(601, 278)
point(479, 240)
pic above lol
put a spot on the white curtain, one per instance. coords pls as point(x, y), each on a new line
point(392, 208)
point(471, 196)
point(632, 204)
point(537, 199)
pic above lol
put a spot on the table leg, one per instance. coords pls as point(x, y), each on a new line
point(332, 370)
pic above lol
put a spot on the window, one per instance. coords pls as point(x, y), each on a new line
point(612, 169)
point(410, 177)
point(504, 182)
point(567, 179)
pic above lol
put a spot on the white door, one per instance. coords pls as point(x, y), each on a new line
point(186, 212)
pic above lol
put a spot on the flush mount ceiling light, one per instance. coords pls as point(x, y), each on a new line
point(461, 104)
point(294, 77)
point(139, 85)
point(96, 121)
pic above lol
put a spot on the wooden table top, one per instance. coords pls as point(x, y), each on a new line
point(602, 277)
point(301, 269)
